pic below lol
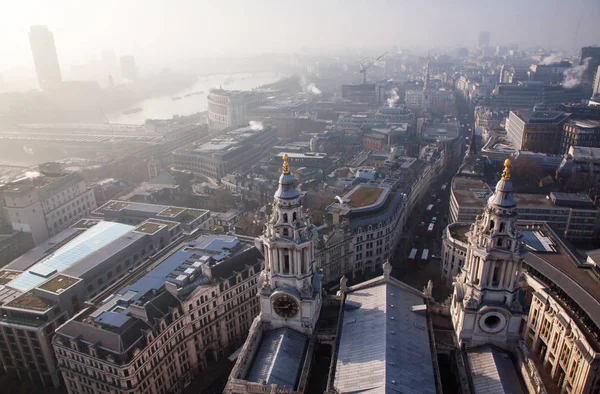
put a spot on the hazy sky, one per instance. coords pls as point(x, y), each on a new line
point(153, 29)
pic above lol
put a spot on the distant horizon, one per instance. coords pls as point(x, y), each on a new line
point(158, 32)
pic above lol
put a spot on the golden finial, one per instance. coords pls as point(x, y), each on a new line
point(286, 168)
point(506, 172)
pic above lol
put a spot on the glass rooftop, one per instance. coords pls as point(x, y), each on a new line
point(75, 251)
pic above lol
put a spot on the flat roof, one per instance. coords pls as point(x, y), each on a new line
point(59, 283)
point(30, 301)
point(584, 153)
point(471, 191)
point(529, 116)
point(459, 231)
point(76, 250)
point(363, 196)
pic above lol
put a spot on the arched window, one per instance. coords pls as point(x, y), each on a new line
point(285, 232)
point(492, 224)
point(285, 218)
point(502, 227)
point(294, 216)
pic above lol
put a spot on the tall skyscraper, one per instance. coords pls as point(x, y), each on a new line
point(128, 68)
point(593, 53)
point(484, 39)
point(41, 41)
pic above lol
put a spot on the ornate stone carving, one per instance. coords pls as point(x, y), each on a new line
point(428, 290)
point(387, 270)
point(307, 289)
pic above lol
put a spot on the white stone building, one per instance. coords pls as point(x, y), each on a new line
point(156, 334)
point(47, 203)
point(228, 108)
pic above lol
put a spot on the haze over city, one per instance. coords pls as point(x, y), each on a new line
point(300, 197)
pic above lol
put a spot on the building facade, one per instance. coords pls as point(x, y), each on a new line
point(192, 310)
point(236, 150)
point(580, 133)
point(228, 108)
point(43, 49)
point(536, 131)
point(49, 284)
point(47, 204)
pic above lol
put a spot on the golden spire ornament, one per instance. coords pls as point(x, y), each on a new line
point(506, 172)
point(285, 168)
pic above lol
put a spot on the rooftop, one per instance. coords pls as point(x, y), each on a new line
point(492, 371)
point(31, 302)
point(470, 191)
point(148, 227)
point(584, 153)
point(59, 283)
point(171, 211)
point(459, 231)
point(279, 359)
point(384, 345)
point(584, 124)
point(364, 196)
point(528, 116)
point(74, 251)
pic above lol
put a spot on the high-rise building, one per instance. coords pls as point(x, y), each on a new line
point(41, 41)
point(536, 131)
point(484, 39)
point(128, 67)
point(593, 54)
point(596, 91)
point(228, 108)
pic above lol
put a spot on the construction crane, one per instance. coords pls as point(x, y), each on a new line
point(364, 67)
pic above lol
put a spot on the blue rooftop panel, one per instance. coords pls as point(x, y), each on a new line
point(73, 252)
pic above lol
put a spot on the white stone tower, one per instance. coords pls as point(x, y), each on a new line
point(426, 102)
point(485, 305)
point(291, 286)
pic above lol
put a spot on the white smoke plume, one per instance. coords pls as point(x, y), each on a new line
point(392, 97)
point(32, 174)
point(312, 88)
point(27, 150)
point(551, 59)
point(309, 87)
point(256, 125)
point(573, 75)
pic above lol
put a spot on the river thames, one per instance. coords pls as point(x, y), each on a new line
point(165, 107)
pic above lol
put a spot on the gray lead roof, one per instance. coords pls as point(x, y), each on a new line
point(384, 346)
point(279, 358)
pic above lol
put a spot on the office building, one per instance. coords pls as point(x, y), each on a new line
point(46, 204)
point(13, 244)
point(593, 54)
point(484, 39)
point(525, 95)
point(536, 131)
point(49, 284)
point(229, 108)
point(596, 89)
point(581, 161)
point(367, 224)
point(580, 133)
point(361, 93)
point(572, 215)
point(128, 67)
point(549, 73)
point(169, 325)
point(236, 150)
point(41, 41)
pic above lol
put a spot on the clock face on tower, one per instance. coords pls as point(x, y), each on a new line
point(285, 306)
